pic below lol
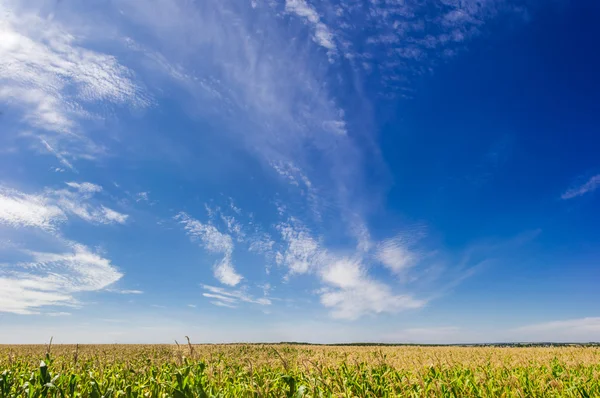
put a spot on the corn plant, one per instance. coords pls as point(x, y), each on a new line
point(103, 371)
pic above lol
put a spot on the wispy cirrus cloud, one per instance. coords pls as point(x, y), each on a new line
point(53, 278)
point(216, 242)
point(49, 75)
point(85, 187)
point(18, 209)
point(351, 293)
point(61, 313)
point(395, 255)
point(78, 202)
point(38, 278)
point(322, 34)
point(408, 39)
point(287, 125)
point(51, 207)
point(346, 289)
point(298, 126)
point(232, 62)
point(345, 286)
point(231, 298)
point(349, 286)
point(142, 197)
point(125, 291)
point(301, 252)
point(110, 216)
point(228, 228)
point(229, 57)
point(589, 186)
point(223, 304)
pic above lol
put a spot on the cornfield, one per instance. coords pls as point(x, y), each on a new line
point(297, 371)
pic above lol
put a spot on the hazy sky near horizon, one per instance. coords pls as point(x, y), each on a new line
point(299, 170)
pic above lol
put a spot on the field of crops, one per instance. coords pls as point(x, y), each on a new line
point(297, 371)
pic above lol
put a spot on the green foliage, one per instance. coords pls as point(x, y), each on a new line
point(296, 372)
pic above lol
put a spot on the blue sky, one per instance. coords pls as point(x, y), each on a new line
point(265, 170)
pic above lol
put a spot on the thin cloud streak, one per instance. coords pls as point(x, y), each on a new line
point(590, 186)
point(322, 34)
point(231, 298)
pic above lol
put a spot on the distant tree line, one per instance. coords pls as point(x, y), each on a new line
point(537, 344)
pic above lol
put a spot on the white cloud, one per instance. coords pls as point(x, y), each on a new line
point(112, 216)
point(225, 273)
point(415, 31)
point(21, 210)
point(279, 121)
point(302, 252)
point(344, 273)
point(85, 187)
point(126, 291)
point(591, 185)
point(78, 204)
point(216, 242)
point(322, 35)
point(369, 298)
point(349, 292)
point(62, 313)
point(233, 227)
point(295, 125)
point(291, 173)
point(235, 69)
point(220, 297)
point(59, 155)
point(395, 255)
point(262, 244)
point(48, 209)
point(142, 197)
point(233, 207)
point(47, 72)
point(335, 126)
point(90, 270)
point(52, 279)
point(210, 212)
point(210, 237)
point(352, 293)
point(222, 304)
point(231, 298)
